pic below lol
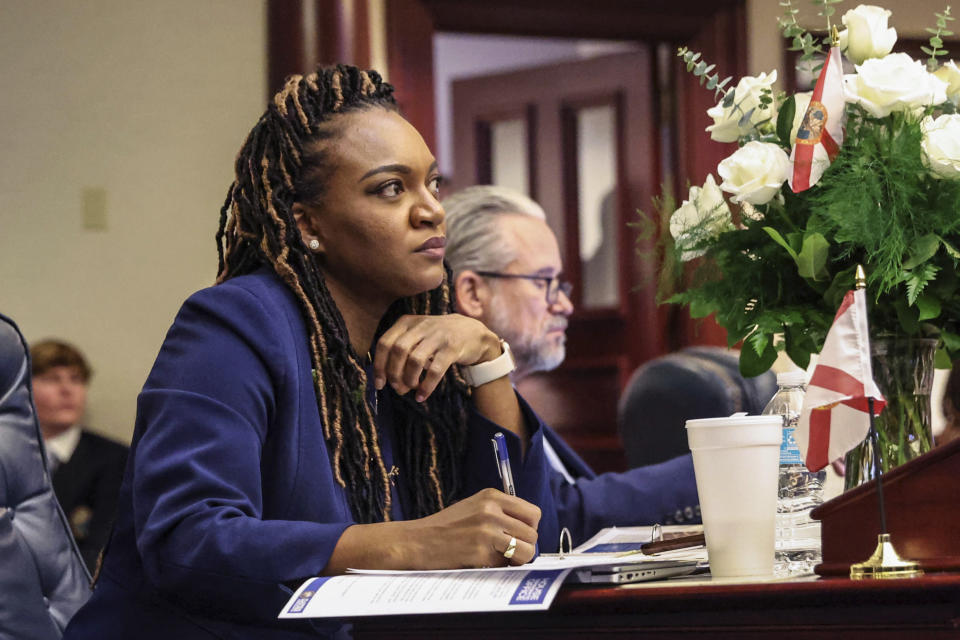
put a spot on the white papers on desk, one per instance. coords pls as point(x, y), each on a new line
point(529, 587)
point(394, 593)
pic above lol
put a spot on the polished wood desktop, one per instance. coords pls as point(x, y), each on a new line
point(921, 499)
point(927, 607)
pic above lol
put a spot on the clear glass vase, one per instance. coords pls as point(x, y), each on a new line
point(903, 370)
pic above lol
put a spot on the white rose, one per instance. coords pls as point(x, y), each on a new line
point(726, 120)
point(802, 101)
point(894, 83)
point(950, 74)
point(941, 145)
point(867, 35)
point(704, 214)
point(755, 172)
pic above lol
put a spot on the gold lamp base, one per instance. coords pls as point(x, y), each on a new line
point(885, 564)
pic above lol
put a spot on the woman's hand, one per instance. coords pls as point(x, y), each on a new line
point(474, 532)
point(416, 351)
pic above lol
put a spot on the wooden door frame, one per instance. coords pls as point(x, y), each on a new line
point(574, 85)
point(717, 28)
point(340, 32)
point(604, 344)
point(411, 25)
point(714, 27)
point(571, 188)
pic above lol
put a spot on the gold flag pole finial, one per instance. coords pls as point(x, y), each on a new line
point(834, 36)
point(861, 281)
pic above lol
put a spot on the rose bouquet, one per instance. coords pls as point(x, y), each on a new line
point(772, 259)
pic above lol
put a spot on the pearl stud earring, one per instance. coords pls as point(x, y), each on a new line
point(314, 245)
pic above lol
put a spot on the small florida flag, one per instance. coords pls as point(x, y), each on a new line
point(835, 416)
point(821, 132)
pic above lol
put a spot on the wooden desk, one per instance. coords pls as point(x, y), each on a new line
point(835, 608)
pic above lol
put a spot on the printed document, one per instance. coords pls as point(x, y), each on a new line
point(370, 594)
point(529, 587)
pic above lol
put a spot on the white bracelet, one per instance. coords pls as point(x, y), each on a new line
point(479, 374)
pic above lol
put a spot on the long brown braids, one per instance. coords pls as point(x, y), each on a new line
point(283, 161)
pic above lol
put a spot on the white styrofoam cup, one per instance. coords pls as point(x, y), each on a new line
point(736, 461)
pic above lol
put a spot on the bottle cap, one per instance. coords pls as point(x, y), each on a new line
point(793, 378)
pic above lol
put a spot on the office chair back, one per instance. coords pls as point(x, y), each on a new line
point(696, 382)
point(43, 580)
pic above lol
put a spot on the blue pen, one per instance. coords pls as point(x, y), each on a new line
point(503, 463)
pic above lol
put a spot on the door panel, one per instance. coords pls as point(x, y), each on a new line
point(509, 157)
point(593, 161)
point(595, 129)
point(503, 149)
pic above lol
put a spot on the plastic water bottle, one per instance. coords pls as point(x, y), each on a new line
point(799, 491)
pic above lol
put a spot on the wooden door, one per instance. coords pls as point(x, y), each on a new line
point(581, 139)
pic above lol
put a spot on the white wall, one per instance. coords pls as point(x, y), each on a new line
point(151, 101)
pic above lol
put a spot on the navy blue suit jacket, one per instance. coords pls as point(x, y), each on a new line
point(229, 497)
point(664, 493)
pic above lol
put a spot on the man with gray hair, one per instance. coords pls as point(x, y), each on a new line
point(507, 273)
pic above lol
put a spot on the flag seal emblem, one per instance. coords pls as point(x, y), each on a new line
point(811, 130)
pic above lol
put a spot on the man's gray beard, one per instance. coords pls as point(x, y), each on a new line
point(531, 353)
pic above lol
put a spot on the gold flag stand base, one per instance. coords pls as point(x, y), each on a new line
point(885, 564)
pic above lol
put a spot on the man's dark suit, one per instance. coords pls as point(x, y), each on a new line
point(87, 486)
point(664, 493)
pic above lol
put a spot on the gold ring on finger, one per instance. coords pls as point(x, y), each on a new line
point(511, 548)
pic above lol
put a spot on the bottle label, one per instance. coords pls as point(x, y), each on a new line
point(789, 451)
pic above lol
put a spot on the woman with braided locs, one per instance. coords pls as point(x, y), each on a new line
point(310, 412)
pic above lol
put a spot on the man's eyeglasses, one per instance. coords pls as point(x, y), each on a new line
point(554, 285)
